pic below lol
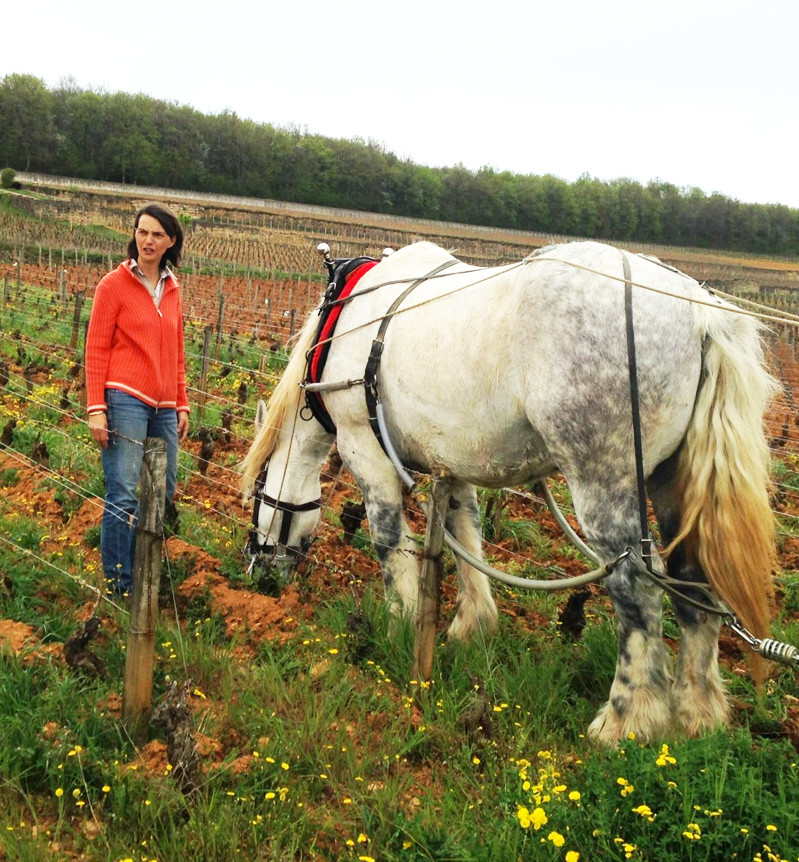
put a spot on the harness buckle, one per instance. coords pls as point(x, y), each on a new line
point(646, 552)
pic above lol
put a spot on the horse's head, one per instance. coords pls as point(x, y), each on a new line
point(280, 535)
point(286, 510)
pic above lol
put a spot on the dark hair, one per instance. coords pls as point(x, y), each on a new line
point(169, 222)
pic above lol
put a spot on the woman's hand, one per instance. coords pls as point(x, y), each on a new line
point(183, 425)
point(98, 426)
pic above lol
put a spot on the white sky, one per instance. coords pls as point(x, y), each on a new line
point(694, 92)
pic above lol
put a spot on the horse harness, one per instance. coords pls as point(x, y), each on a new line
point(281, 550)
point(344, 274)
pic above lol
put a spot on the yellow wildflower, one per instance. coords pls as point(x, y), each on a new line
point(692, 832)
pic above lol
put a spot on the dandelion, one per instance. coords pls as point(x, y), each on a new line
point(665, 758)
point(538, 818)
point(771, 828)
point(646, 812)
point(106, 788)
point(556, 838)
point(626, 787)
point(575, 796)
point(59, 792)
point(572, 856)
point(692, 832)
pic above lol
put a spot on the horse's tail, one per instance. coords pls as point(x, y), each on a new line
point(723, 473)
point(283, 402)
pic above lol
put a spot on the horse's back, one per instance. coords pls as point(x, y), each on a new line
point(503, 373)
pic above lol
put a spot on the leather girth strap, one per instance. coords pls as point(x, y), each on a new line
point(373, 363)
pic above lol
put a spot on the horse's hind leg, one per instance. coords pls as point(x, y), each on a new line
point(475, 608)
point(640, 697)
point(700, 702)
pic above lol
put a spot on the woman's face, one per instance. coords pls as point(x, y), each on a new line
point(151, 240)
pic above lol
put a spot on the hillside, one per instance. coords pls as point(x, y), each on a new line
point(302, 734)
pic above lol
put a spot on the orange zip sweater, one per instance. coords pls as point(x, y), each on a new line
point(132, 345)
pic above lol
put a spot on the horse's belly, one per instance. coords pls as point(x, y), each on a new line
point(479, 448)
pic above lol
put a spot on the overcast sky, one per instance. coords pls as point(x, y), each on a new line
point(697, 93)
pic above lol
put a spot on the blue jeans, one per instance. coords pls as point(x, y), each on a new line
point(130, 421)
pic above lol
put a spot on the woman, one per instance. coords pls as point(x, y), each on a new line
point(136, 378)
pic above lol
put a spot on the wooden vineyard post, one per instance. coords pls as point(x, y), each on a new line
point(430, 582)
point(220, 316)
point(137, 693)
point(73, 341)
point(203, 389)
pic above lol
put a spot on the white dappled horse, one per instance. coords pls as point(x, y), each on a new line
point(501, 376)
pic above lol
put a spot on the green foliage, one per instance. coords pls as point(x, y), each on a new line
point(9, 477)
point(717, 798)
point(132, 138)
point(7, 177)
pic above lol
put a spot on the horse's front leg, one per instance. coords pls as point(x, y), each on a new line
point(391, 535)
point(475, 609)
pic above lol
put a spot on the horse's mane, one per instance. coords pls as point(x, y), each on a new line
point(284, 401)
point(286, 395)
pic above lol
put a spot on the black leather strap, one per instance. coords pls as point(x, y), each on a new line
point(376, 353)
point(646, 541)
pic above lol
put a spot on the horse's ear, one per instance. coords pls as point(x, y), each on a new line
point(260, 414)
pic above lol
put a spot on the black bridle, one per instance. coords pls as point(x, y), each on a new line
point(281, 550)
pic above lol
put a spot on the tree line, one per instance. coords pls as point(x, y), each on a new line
point(133, 138)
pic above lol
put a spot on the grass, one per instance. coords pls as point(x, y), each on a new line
point(324, 759)
point(317, 745)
